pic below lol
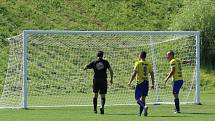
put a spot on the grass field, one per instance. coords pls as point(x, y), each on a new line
point(190, 112)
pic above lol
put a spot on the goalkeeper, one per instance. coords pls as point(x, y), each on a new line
point(141, 70)
point(176, 72)
point(100, 67)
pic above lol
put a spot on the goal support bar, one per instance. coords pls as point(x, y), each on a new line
point(197, 99)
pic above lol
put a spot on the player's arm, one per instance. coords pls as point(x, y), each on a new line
point(89, 66)
point(153, 79)
point(186, 62)
point(85, 67)
point(111, 75)
point(132, 77)
point(170, 74)
point(151, 72)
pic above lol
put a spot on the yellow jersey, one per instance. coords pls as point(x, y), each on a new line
point(178, 69)
point(143, 68)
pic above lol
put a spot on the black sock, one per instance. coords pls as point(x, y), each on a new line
point(141, 108)
point(103, 102)
point(177, 104)
point(95, 103)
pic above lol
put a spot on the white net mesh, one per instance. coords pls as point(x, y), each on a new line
point(12, 90)
point(55, 64)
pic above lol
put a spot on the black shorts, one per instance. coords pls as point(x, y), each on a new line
point(100, 85)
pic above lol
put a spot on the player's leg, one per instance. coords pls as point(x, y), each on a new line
point(95, 102)
point(102, 103)
point(176, 88)
point(176, 100)
point(103, 91)
point(145, 93)
point(95, 90)
point(138, 97)
point(141, 108)
point(145, 108)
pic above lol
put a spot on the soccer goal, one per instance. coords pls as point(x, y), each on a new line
point(45, 67)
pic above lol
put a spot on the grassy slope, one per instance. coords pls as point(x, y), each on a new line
point(190, 112)
point(16, 16)
point(86, 15)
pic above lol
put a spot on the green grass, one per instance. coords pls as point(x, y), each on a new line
point(207, 79)
point(190, 112)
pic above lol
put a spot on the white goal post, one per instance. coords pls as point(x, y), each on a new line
point(45, 67)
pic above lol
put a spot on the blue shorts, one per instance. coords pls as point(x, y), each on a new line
point(141, 89)
point(177, 86)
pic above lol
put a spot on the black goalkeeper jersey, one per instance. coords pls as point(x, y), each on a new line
point(100, 67)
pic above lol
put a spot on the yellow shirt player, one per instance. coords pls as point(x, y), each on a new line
point(176, 63)
point(141, 70)
point(176, 73)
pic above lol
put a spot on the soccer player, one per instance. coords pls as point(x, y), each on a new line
point(100, 67)
point(141, 70)
point(176, 72)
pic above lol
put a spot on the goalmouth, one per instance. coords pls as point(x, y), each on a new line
point(45, 67)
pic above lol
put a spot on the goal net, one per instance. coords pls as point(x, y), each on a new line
point(45, 68)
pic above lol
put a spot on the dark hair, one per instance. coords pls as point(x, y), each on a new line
point(171, 53)
point(100, 54)
point(143, 54)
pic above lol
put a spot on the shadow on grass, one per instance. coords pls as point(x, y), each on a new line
point(125, 114)
point(51, 108)
point(199, 113)
point(170, 116)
